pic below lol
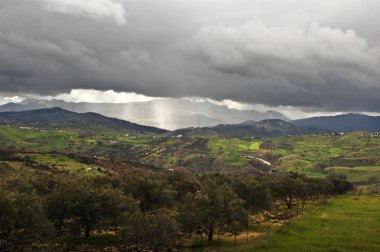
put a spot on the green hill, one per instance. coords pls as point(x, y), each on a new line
point(61, 117)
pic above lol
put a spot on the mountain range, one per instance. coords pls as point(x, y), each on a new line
point(58, 117)
point(195, 115)
point(169, 114)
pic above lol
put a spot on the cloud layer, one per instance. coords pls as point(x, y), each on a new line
point(301, 53)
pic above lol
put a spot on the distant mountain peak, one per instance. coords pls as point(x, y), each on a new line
point(276, 115)
point(248, 123)
point(56, 109)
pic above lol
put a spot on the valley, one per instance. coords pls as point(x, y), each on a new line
point(159, 174)
point(353, 154)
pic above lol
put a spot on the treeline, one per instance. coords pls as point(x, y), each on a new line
point(149, 210)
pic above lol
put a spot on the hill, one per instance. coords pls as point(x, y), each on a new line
point(58, 116)
point(344, 122)
point(269, 127)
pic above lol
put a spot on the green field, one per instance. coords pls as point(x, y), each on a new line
point(348, 223)
point(354, 154)
point(230, 149)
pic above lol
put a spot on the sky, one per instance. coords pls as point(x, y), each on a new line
point(298, 56)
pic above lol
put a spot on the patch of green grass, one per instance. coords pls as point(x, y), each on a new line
point(230, 149)
point(37, 138)
point(359, 174)
point(348, 223)
point(62, 163)
point(334, 151)
point(367, 168)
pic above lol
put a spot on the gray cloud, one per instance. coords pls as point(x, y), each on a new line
point(316, 66)
point(301, 53)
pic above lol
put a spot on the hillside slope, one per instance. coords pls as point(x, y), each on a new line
point(345, 122)
point(58, 116)
point(269, 127)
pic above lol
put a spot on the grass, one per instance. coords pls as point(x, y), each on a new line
point(349, 223)
point(63, 163)
point(359, 174)
point(34, 138)
point(54, 162)
point(230, 149)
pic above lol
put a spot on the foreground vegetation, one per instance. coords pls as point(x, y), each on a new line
point(141, 209)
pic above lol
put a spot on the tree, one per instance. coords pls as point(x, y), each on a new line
point(255, 193)
point(339, 182)
point(87, 207)
point(151, 190)
point(219, 205)
point(287, 188)
point(23, 214)
point(183, 184)
point(157, 230)
point(7, 215)
point(189, 216)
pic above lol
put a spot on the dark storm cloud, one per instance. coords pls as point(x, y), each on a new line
point(291, 53)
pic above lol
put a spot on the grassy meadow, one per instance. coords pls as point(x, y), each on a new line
point(344, 224)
